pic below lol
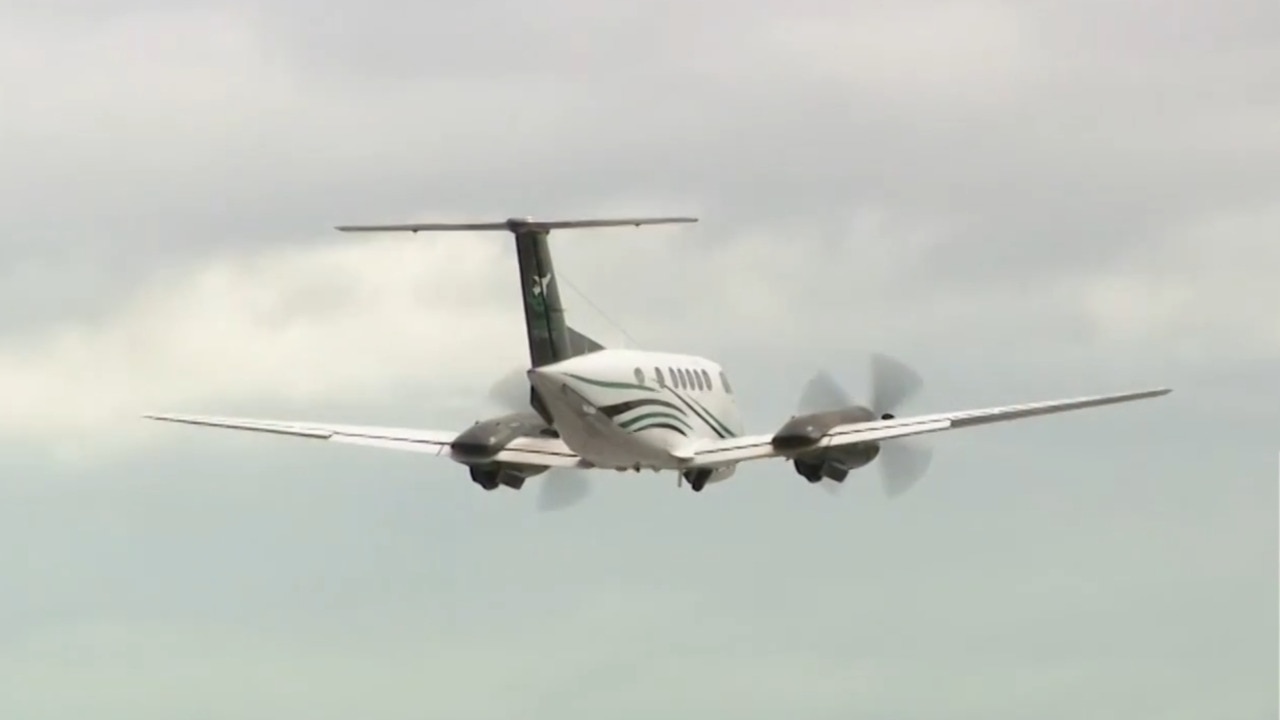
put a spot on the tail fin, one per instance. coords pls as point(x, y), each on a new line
point(550, 338)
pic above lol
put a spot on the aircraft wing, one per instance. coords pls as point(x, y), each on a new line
point(758, 447)
point(547, 452)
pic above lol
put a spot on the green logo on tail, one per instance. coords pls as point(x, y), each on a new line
point(538, 293)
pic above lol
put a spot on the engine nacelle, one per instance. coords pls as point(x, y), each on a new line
point(798, 439)
point(494, 475)
point(486, 437)
point(835, 463)
point(475, 445)
point(805, 431)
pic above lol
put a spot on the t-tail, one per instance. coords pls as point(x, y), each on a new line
point(550, 337)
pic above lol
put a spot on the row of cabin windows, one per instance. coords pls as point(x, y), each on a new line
point(684, 379)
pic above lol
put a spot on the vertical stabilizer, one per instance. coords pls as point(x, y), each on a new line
point(550, 338)
point(544, 322)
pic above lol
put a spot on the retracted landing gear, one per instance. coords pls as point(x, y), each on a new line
point(697, 478)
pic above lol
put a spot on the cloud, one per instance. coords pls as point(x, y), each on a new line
point(1022, 200)
point(283, 326)
point(1195, 293)
point(365, 319)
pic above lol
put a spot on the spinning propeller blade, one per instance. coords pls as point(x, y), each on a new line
point(563, 487)
point(511, 392)
point(559, 488)
point(822, 393)
point(902, 461)
point(892, 383)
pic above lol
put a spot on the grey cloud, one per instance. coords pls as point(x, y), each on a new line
point(763, 139)
point(1121, 562)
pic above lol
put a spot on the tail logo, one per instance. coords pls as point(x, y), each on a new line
point(538, 292)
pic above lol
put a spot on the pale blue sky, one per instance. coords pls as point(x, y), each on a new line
point(1025, 201)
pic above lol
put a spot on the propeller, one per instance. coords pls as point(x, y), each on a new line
point(559, 487)
point(902, 461)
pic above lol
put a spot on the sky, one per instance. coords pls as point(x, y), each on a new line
point(1022, 200)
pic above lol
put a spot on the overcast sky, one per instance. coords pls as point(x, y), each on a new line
point(1023, 200)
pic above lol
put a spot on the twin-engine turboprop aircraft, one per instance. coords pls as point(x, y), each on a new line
point(589, 407)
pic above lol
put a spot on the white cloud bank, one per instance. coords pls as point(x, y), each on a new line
point(297, 326)
point(345, 321)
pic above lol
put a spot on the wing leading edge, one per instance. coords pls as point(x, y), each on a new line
point(759, 447)
point(547, 452)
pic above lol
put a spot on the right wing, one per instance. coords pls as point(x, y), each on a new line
point(546, 452)
point(758, 447)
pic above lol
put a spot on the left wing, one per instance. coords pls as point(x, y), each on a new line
point(757, 447)
point(547, 452)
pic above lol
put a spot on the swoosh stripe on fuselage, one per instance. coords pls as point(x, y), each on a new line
point(631, 422)
point(716, 420)
point(661, 425)
point(716, 428)
point(617, 409)
point(612, 385)
point(691, 406)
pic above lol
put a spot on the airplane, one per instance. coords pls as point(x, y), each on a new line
point(588, 407)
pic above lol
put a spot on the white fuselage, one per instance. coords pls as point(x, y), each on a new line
point(633, 409)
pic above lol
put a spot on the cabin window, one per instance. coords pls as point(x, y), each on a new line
point(724, 382)
point(685, 379)
point(697, 380)
point(657, 375)
point(639, 376)
point(706, 379)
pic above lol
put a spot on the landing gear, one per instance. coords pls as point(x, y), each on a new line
point(808, 470)
point(698, 479)
point(487, 479)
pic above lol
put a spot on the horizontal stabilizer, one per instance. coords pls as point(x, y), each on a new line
point(518, 224)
